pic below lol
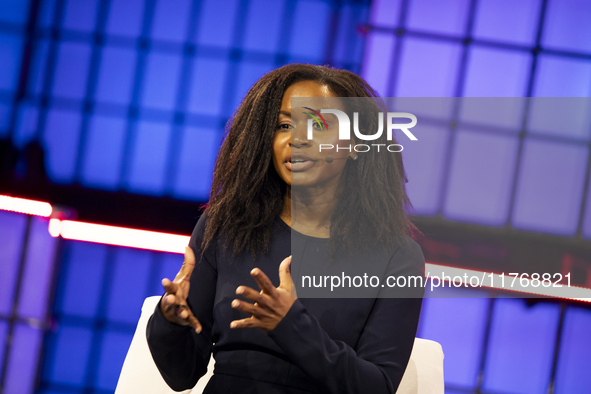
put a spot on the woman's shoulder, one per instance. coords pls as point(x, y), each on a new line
point(201, 223)
point(408, 256)
point(412, 248)
point(199, 229)
point(197, 237)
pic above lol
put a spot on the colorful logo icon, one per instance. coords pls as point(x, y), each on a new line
point(315, 115)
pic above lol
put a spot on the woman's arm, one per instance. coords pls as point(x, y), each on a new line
point(181, 354)
point(376, 365)
point(379, 360)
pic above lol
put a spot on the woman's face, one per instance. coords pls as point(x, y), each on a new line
point(299, 161)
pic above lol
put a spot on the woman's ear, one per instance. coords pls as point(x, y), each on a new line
point(353, 142)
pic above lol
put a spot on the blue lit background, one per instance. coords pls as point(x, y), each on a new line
point(133, 95)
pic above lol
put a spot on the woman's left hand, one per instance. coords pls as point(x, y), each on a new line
point(271, 304)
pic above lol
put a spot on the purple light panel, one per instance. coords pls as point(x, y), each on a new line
point(38, 273)
point(148, 162)
point(161, 81)
point(496, 73)
point(171, 20)
point(24, 345)
point(385, 13)
point(418, 78)
point(521, 345)
point(478, 190)
point(562, 77)
point(212, 16)
point(125, 295)
point(23, 361)
point(80, 15)
point(10, 53)
point(458, 324)
point(550, 189)
point(308, 42)
point(192, 177)
point(377, 70)
point(12, 228)
point(83, 272)
point(125, 17)
point(574, 359)
point(567, 25)
point(115, 77)
point(61, 141)
point(207, 83)
point(104, 149)
point(14, 12)
point(263, 25)
point(423, 164)
point(71, 76)
point(509, 21)
point(444, 17)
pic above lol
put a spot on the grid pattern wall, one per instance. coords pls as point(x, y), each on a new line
point(133, 95)
point(524, 178)
point(27, 266)
point(100, 293)
point(505, 345)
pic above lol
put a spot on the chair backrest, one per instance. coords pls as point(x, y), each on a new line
point(139, 375)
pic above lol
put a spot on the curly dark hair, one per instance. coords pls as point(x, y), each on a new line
point(247, 194)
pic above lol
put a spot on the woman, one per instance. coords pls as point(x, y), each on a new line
point(275, 192)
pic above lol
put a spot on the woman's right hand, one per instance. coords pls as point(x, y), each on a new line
point(174, 305)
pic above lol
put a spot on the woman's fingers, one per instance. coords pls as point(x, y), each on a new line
point(187, 318)
point(174, 303)
point(179, 313)
point(188, 265)
point(170, 299)
point(169, 306)
point(285, 274)
point(264, 282)
point(245, 323)
point(193, 322)
point(249, 308)
point(169, 286)
point(252, 295)
point(271, 304)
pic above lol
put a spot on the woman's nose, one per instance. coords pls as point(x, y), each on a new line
point(299, 135)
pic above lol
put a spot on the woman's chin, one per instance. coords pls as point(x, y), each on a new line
point(301, 180)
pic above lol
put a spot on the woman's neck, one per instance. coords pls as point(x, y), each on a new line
point(309, 210)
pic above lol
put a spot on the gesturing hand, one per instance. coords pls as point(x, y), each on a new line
point(174, 305)
point(271, 304)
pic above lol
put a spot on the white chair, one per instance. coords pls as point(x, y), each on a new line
point(139, 375)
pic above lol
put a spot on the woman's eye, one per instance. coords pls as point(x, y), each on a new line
point(320, 126)
point(284, 126)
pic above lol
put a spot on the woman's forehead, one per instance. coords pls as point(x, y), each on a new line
point(309, 94)
point(308, 89)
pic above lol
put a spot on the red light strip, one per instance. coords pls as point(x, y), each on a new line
point(120, 236)
point(23, 205)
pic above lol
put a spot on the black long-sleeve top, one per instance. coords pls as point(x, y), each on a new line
point(322, 345)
